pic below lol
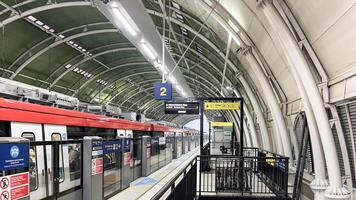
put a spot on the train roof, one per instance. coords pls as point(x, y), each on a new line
point(12, 110)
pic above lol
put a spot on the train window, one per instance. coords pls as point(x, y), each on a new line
point(58, 137)
point(33, 170)
point(74, 161)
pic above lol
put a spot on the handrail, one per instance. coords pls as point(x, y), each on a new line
point(164, 189)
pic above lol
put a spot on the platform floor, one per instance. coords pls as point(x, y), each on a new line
point(144, 188)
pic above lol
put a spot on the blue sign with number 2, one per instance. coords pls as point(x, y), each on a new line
point(163, 91)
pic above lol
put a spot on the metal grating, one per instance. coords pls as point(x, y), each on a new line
point(298, 128)
point(349, 138)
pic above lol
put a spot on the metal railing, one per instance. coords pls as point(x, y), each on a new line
point(182, 186)
point(256, 173)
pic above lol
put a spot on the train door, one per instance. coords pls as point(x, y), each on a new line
point(162, 152)
point(169, 148)
point(137, 157)
point(112, 167)
point(38, 177)
point(69, 158)
point(154, 153)
point(179, 139)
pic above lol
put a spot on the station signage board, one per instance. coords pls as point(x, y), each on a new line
point(222, 105)
point(221, 124)
point(14, 186)
point(14, 156)
point(191, 108)
point(113, 146)
point(163, 91)
point(97, 157)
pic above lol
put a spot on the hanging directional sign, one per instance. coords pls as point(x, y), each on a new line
point(222, 105)
point(163, 91)
point(182, 108)
point(221, 124)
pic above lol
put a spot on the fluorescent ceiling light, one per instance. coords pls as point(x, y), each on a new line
point(172, 80)
point(46, 27)
point(68, 66)
point(147, 50)
point(61, 36)
point(39, 22)
point(175, 5)
point(179, 16)
point(124, 22)
point(32, 18)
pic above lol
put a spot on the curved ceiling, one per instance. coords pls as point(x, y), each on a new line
point(70, 47)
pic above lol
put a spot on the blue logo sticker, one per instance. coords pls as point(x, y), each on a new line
point(14, 151)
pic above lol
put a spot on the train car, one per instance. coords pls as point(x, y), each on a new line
point(44, 123)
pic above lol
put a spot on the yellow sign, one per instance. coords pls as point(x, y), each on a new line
point(221, 123)
point(270, 159)
point(222, 105)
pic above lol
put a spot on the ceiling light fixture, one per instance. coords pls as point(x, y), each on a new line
point(147, 50)
point(32, 18)
point(68, 66)
point(39, 22)
point(124, 22)
point(45, 27)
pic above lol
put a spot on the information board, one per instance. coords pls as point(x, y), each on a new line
point(163, 91)
point(14, 186)
point(112, 146)
point(182, 108)
point(222, 105)
point(14, 156)
point(97, 157)
point(221, 124)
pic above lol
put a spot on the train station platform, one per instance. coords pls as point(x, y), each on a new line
point(146, 187)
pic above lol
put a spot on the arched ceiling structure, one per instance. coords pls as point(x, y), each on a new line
point(71, 48)
point(44, 42)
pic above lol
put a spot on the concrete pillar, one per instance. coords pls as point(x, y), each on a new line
point(250, 121)
point(291, 52)
point(283, 141)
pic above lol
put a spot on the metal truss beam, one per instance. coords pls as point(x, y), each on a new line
point(18, 70)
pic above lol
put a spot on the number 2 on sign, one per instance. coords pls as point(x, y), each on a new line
point(163, 91)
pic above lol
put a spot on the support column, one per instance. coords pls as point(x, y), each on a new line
point(252, 124)
point(311, 96)
point(266, 143)
point(283, 141)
